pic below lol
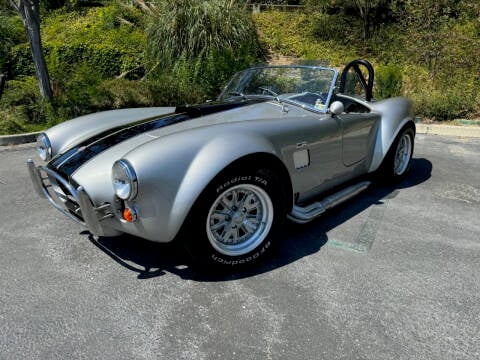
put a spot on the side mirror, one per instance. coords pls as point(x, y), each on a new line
point(336, 108)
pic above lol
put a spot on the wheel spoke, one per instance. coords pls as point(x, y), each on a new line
point(227, 203)
point(231, 235)
point(250, 225)
point(218, 225)
point(219, 215)
point(250, 202)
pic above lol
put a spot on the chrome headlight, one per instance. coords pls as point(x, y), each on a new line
point(44, 147)
point(124, 180)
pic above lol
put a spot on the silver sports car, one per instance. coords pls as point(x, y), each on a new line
point(222, 177)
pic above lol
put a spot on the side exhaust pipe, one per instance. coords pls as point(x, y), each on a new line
point(302, 215)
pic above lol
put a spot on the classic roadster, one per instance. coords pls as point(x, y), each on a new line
point(222, 177)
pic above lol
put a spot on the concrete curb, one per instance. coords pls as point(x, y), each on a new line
point(6, 140)
point(430, 129)
point(448, 130)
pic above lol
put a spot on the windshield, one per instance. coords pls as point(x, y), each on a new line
point(307, 86)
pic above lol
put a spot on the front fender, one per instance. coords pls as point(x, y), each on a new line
point(396, 113)
point(174, 170)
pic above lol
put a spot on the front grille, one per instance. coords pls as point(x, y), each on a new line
point(61, 192)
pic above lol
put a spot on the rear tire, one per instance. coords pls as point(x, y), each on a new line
point(236, 220)
point(397, 163)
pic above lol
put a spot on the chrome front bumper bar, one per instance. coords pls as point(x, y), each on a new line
point(74, 203)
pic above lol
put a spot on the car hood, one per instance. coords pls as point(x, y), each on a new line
point(257, 110)
point(125, 137)
point(73, 132)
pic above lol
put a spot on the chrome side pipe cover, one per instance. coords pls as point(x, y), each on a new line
point(302, 215)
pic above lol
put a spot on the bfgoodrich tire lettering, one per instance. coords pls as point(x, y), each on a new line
point(236, 220)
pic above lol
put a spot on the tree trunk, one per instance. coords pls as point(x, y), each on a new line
point(2, 84)
point(29, 12)
point(364, 10)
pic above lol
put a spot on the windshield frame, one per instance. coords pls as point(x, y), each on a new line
point(237, 77)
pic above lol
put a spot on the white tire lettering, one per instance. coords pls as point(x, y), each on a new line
point(261, 180)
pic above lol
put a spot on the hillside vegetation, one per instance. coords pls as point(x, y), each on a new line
point(116, 55)
point(439, 70)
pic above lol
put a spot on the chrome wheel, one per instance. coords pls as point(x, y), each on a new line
point(402, 154)
point(239, 219)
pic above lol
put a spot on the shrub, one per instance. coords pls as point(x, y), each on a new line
point(193, 28)
point(447, 103)
point(11, 34)
point(9, 123)
point(20, 62)
point(22, 98)
point(109, 39)
point(388, 81)
point(330, 27)
point(212, 71)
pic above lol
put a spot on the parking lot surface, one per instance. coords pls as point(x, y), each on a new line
point(392, 274)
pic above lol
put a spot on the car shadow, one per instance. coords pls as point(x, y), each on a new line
point(149, 259)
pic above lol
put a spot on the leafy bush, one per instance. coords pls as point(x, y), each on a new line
point(193, 28)
point(164, 91)
point(330, 27)
point(212, 71)
point(445, 99)
point(9, 122)
point(11, 33)
point(388, 81)
point(20, 62)
point(22, 97)
point(109, 39)
point(201, 43)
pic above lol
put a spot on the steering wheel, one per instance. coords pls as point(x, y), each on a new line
point(266, 90)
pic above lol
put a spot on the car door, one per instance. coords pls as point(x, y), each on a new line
point(314, 154)
point(358, 122)
point(358, 127)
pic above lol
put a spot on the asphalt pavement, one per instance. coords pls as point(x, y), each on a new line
point(391, 274)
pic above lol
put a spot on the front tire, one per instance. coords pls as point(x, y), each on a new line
point(237, 220)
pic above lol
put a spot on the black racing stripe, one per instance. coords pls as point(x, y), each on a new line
point(68, 162)
point(217, 106)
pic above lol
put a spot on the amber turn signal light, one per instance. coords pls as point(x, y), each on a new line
point(129, 215)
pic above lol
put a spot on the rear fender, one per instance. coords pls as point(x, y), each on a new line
point(396, 113)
